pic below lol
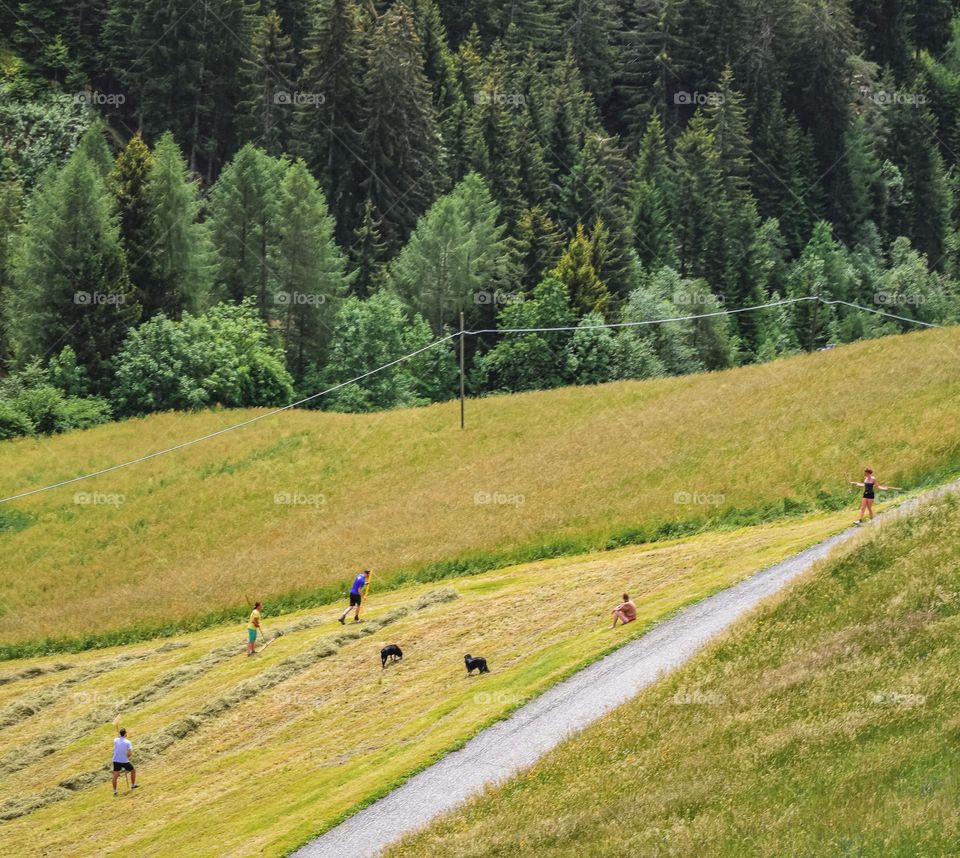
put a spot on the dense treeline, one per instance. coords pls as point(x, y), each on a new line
point(239, 203)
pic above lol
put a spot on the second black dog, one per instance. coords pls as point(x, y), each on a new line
point(478, 664)
point(391, 652)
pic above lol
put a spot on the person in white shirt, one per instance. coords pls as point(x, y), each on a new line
point(121, 759)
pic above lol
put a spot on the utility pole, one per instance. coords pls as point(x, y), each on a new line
point(461, 370)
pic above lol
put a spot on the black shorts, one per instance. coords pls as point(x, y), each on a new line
point(122, 767)
point(355, 599)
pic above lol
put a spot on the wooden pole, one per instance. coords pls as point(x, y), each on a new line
point(462, 346)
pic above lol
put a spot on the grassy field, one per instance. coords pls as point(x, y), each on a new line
point(246, 756)
point(300, 501)
point(828, 723)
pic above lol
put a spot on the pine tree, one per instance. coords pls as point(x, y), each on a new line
point(576, 271)
point(328, 128)
point(94, 145)
point(244, 217)
point(402, 147)
point(599, 187)
point(822, 271)
point(268, 86)
point(538, 246)
point(11, 203)
point(455, 260)
point(590, 25)
point(184, 90)
point(310, 270)
point(368, 253)
point(128, 182)
point(182, 258)
point(71, 285)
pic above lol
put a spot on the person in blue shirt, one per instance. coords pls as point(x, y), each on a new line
point(356, 596)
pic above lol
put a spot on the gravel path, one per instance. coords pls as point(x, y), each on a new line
point(501, 750)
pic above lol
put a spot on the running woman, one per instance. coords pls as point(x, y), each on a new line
point(356, 596)
point(870, 488)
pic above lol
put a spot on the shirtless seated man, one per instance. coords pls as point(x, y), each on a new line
point(626, 612)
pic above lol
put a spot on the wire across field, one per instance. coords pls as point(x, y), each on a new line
point(246, 755)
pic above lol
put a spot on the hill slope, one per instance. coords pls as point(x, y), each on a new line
point(297, 502)
point(828, 722)
point(240, 756)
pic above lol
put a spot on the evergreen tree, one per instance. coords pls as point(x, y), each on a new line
point(538, 246)
point(403, 151)
point(599, 187)
point(70, 279)
point(576, 273)
point(182, 257)
point(310, 270)
point(368, 253)
point(822, 271)
point(11, 202)
point(455, 260)
point(268, 86)
point(128, 183)
point(244, 220)
point(328, 126)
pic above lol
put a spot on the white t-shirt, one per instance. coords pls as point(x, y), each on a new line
point(121, 750)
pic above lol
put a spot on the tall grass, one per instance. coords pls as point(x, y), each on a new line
point(825, 725)
point(288, 509)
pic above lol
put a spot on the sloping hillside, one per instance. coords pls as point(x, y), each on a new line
point(299, 501)
point(829, 722)
point(240, 755)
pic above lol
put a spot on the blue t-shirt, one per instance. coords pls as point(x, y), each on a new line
point(359, 583)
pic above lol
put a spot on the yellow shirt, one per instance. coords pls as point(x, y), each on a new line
point(254, 619)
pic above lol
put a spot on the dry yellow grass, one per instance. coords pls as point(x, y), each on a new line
point(200, 529)
point(260, 776)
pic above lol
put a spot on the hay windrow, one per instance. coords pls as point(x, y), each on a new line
point(151, 746)
point(32, 672)
point(24, 708)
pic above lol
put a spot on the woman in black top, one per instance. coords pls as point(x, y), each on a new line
point(870, 487)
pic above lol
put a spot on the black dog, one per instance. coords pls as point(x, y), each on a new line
point(478, 664)
point(391, 652)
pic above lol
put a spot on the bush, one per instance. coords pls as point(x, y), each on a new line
point(13, 423)
point(223, 357)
